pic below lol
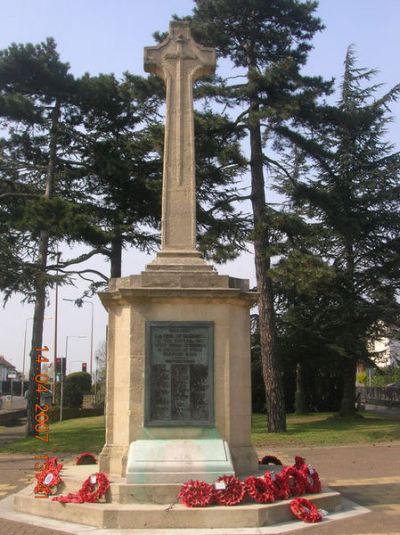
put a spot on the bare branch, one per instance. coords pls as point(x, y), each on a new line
point(282, 168)
point(80, 273)
point(77, 260)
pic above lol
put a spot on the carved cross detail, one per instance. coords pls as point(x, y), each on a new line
point(179, 61)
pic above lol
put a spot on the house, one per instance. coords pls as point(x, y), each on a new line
point(5, 368)
point(386, 350)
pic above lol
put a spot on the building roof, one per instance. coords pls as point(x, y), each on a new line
point(4, 362)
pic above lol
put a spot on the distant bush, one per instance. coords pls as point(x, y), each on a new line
point(75, 385)
point(384, 376)
point(73, 412)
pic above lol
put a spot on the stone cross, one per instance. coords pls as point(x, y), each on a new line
point(179, 61)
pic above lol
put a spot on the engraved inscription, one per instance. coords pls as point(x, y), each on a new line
point(179, 373)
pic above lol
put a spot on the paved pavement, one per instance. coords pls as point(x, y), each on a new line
point(12, 432)
point(366, 474)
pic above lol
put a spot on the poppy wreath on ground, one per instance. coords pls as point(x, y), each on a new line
point(86, 458)
point(278, 484)
point(259, 490)
point(93, 488)
point(305, 510)
point(233, 493)
point(195, 493)
point(49, 477)
point(270, 459)
point(295, 479)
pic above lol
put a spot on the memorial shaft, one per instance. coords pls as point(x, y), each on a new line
point(179, 61)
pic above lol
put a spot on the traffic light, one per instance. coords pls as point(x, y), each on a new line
point(83, 366)
point(61, 364)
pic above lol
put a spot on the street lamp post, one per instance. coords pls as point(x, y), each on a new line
point(62, 374)
point(58, 254)
point(23, 357)
point(91, 331)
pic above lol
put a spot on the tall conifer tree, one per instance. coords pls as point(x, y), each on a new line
point(348, 189)
point(267, 42)
point(35, 89)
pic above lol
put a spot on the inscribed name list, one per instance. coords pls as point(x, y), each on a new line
point(179, 370)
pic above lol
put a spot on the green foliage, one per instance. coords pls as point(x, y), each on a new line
point(343, 182)
point(75, 385)
point(267, 44)
point(385, 376)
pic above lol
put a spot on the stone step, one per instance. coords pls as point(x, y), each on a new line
point(120, 492)
point(176, 516)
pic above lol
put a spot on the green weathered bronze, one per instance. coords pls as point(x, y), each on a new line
point(179, 380)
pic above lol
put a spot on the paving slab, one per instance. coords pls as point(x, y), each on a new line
point(368, 476)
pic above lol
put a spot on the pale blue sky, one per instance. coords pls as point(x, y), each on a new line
point(108, 36)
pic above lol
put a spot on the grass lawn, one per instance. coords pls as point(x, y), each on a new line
point(74, 436)
point(324, 429)
point(317, 429)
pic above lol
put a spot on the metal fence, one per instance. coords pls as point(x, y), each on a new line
point(379, 395)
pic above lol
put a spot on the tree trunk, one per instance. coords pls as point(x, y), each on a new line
point(40, 292)
point(116, 256)
point(299, 398)
point(348, 404)
point(275, 401)
point(37, 333)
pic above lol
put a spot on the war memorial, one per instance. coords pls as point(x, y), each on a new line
point(178, 403)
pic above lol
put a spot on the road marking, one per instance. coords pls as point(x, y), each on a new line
point(366, 481)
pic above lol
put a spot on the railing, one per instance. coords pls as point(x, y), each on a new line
point(379, 395)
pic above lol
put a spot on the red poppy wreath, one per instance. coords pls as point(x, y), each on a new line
point(87, 457)
point(94, 488)
point(195, 493)
point(49, 477)
point(279, 485)
point(295, 479)
point(305, 510)
point(232, 494)
point(312, 481)
point(270, 459)
point(259, 490)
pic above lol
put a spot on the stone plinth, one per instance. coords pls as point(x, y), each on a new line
point(155, 507)
point(162, 461)
point(183, 293)
point(174, 516)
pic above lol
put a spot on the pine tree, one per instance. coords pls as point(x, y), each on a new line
point(35, 87)
point(120, 171)
point(267, 42)
point(347, 187)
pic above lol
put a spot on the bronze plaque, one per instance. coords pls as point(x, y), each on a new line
point(179, 373)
